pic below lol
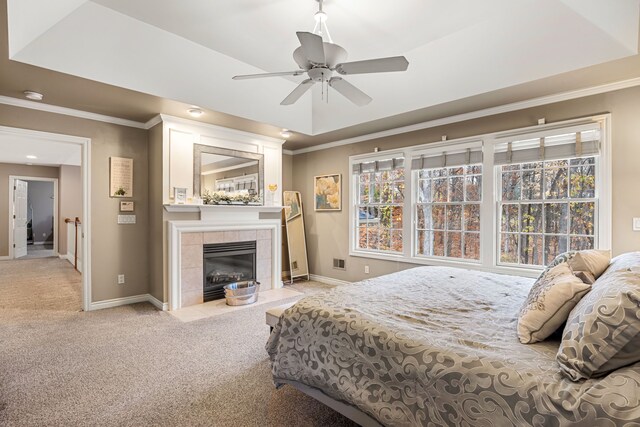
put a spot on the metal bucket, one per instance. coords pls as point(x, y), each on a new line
point(241, 293)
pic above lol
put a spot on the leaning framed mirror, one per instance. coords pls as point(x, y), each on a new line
point(296, 239)
point(222, 174)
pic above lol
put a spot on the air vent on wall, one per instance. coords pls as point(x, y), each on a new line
point(338, 264)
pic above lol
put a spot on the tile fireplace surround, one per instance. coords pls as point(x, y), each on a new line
point(185, 250)
point(191, 258)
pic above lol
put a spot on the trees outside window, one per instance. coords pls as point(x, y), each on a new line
point(507, 202)
point(546, 208)
point(380, 210)
point(448, 212)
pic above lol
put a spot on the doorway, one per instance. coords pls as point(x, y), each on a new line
point(33, 207)
point(35, 223)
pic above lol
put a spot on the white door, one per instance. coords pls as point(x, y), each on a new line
point(19, 218)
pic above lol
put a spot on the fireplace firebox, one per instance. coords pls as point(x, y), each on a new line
point(226, 263)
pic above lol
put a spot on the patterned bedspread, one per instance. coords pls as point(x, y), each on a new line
point(438, 346)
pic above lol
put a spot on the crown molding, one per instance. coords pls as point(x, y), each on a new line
point(33, 105)
point(506, 108)
point(154, 121)
point(288, 152)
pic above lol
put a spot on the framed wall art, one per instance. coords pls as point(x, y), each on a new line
point(120, 177)
point(327, 192)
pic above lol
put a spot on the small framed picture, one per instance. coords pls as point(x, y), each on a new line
point(126, 206)
point(180, 195)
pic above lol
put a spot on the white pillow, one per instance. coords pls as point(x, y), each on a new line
point(551, 299)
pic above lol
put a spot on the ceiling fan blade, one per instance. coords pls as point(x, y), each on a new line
point(349, 91)
point(312, 46)
point(380, 65)
point(257, 76)
point(297, 92)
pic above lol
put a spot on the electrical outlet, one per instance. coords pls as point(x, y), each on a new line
point(366, 269)
point(120, 279)
point(636, 224)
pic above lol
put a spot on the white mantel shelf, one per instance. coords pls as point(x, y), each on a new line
point(222, 208)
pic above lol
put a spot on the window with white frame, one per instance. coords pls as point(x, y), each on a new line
point(448, 197)
point(505, 202)
point(380, 205)
point(547, 198)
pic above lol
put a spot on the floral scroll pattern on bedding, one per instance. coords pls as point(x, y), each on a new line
point(438, 346)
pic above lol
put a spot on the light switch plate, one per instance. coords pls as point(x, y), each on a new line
point(126, 219)
point(636, 224)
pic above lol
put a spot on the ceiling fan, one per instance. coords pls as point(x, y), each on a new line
point(319, 59)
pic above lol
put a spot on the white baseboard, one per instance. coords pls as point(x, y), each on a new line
point(117, 302)
point(328, 280)
point(164, 306)
point(69, 257)
point(4, 257)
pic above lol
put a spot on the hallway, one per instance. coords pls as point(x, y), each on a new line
point(49, 284)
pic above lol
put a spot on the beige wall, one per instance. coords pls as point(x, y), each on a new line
point(7, 169)
point(327, 233)
point(287, 172)
point(69, 201)
point(116, 249)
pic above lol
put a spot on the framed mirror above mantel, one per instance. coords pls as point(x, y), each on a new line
point(179, 140)
point(228, 174)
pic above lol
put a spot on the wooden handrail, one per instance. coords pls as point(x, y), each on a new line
point(76, 222)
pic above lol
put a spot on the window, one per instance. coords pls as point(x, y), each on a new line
point(547, 208)
point(380, 205)
point(547, 198)
point(507, 202)
point(448, 212)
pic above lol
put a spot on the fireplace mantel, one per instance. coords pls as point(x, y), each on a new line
point(221, 208)
point(226, 219)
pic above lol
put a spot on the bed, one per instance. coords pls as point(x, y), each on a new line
point(437, 346)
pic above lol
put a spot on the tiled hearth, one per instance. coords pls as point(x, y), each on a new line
point(191, 264)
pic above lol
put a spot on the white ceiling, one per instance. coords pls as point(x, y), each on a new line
point(189, 50)
point(15, 149)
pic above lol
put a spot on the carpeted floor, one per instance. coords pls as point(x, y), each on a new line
point(134, 365)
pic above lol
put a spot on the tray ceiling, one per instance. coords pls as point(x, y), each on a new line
point(188, 51)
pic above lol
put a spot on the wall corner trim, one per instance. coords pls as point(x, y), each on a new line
point(164, 306)
point(328, 280)
point(152, 122)
point(117, 302)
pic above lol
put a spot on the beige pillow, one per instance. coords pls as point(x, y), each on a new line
point(550, 300)
point(592, 261)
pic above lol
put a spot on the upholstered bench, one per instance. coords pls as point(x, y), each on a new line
point(273, 314)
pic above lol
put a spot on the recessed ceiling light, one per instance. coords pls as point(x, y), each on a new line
point(195, 112)
point(285, 133)
point(31, 156)
point(35, 96)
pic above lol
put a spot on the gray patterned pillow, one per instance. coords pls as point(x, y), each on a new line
point(550, 300)
point(629, 261)
point(603, 330)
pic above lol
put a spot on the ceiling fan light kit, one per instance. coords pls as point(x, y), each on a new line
point(318, 57)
